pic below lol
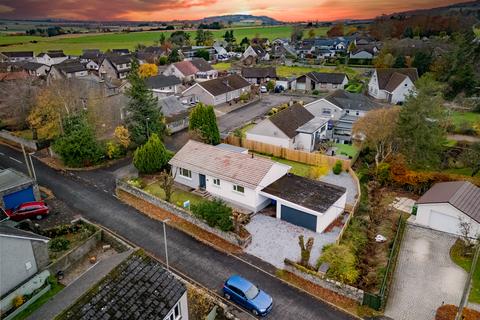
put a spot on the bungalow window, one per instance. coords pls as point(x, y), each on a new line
point(185, 173)
point(216, 182)
point(326, 111)
point(238, 188)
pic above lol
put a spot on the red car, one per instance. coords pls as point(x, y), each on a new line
point(28, 210)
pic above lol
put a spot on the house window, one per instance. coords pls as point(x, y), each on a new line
point(238, 188)
point(216, 182)
point(185, 173)
point(176, 312)
point(326, 111)
point(358, 113)
point(348, 111)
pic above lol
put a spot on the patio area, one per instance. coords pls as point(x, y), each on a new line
point(343, 180)
point(273, 240)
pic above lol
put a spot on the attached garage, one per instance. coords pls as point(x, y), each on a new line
point(310, 204)
point(16, 188)
point(447, 204)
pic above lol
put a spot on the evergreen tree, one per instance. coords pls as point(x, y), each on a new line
point(421, 129)
point(152, 156)
point(174, 56)
point(144, 116)
point(204, 122)
point(422, 62)
point(399, 62)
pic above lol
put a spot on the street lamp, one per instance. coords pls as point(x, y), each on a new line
point(148, 134)
point(165, 240)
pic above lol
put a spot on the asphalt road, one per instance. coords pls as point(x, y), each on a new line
point(200, 262)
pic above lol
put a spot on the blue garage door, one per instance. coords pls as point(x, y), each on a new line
point(14, 199)
point(299, 218)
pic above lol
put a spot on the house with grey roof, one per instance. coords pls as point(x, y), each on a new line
point(321, 81)
point(138, 288)
point(115, 66)
point(162, 85)
point(447, 205)
point(259, 75)
point(293, 128)
point(16, 56)
point(52, 57)
point(34, 69)
point(256, 52)
point(67, 70)
point(392, 84)
point(16, 188)
point(176, 113)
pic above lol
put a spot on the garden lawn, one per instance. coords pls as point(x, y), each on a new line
point(298, 168)
point(290, 71)
point(466, 263)
point(346, 149)
point(244, 129)
point(55, 288)
point(461, 171)
point(222, 66)
point(178, 197)
point(461, 117)
point(73, 44)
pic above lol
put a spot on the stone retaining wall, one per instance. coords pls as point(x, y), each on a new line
point(183, 214)
point(7, 136)
point(332, 285)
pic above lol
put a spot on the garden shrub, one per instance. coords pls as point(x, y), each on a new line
point(342, 263)
point(355, 235)
point(315, 92)
point(270, 85)
point(18, 301)
point(137, 183)
point(113, 150)
point(152, 156)
point(337, 168)
point(383, 173)
point(215, 213)
point(315, 172)
point(449, 311)
point(59, 244)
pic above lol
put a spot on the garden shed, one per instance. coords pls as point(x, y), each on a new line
point(16, 188)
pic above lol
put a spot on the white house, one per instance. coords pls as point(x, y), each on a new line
point(447, 204)
point(257, 52)
point(195, 69)
point(293, 128)
point(259, 75)
point(67, 69)
point(176, 113)
point(232, 176)
point(322, 81)
point(16, 56)
point(115, 66)
point(51, 57)
point(392, 84)
point(162, 85)
point(217, 91)
point(33, 68)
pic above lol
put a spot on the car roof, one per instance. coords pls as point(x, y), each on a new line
point(32, 203)
point(239, 282)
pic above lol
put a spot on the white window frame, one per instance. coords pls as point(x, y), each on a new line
point(236, 187)
point(187, 176)
point(216, 182)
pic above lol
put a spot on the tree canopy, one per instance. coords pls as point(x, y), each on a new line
point(152, 156)
point(204, 122)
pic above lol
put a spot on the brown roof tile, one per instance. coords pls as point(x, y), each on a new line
point(290, 119)
point(385, 74)
point(223, 85)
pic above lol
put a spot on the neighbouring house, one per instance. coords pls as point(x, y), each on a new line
point(34, 69)
point(232, 176)
point(259, 75)
point(392, 84)
point(162, 85)
point(285, 83)
point(150, 54)
point(220, 52)
point(50, 58)
point(189, 52)
point(366, 52)
point(343, 108)
point(447, 204)
point(176, 113)
point(195, 69)
point(121, 52)
point(256, 52)
point(67, 69)
point(115, 66)
point(311, 204)
point(217, 91)
point(23, 254)
point(16, 56)
point(91, 58)
point(16, 188)
point(322, 53)
point(322, 81)
point(293, 128)
point(138, 288)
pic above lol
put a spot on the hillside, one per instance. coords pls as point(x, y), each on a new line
point(240, 19)
point(471, 8)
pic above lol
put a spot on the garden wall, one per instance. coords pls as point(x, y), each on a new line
point(12, 139)
point(332, 285)
point(183, 214)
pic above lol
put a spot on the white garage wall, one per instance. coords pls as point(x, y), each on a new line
point(426, 213)
point(332, 213)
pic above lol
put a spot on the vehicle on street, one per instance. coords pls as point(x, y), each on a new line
point(246, 294)
point(28, 210)
point(263, 89)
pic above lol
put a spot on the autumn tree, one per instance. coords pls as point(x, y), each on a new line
point(166, 181)
point(336, 30)
point(148, 70)
point(144, 116)
point(421, 125)
point(384, 60)
point(46, 115)
point(377, 131)
point(122, 136)
point(204, 122)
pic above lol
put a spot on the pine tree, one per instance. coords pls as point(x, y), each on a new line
point(152, 156)
point(204, 122)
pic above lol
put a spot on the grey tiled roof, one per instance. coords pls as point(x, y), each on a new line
point(10, 178)
point(11, 232)
point(139, 288)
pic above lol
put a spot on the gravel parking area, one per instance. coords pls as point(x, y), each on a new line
point(273, 240)
point(425, 276)
point(343, 180)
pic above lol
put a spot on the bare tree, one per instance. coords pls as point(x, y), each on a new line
point(465, 229)
point(166, 182)
point(17, 99)
point(305, 250)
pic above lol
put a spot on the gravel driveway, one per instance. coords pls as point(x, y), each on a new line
point(273, 240)
point(343, 180)
point(425, 276)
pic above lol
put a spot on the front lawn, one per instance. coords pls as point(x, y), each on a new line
point(456, 254)
point(178, 197)
point(54, 289)
point(222, 66)
point(346, 149)
point(459, 118)
point(289, 71)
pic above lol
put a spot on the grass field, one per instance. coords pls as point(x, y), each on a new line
point(461, 117)
point(73, 44)
point(466, 263)
point(289, 71)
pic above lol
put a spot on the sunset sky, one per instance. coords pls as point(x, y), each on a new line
point(163, 10)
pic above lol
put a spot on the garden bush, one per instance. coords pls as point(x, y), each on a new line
point(342, 263)
point(448, 312)
point(152, 156)
point(337, 168)
point(113, 150)
point(59, 244)
point(215, 213)
point(18, 301)
point(315, 92)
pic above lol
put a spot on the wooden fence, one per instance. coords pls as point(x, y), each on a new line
point(316, 159)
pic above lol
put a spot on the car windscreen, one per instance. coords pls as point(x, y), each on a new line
point(251, 293)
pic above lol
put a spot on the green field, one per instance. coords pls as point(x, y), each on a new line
point(73, 44)
point(289, 71)
point(459, 118)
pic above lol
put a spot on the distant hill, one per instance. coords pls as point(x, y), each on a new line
point(471, 8)
point(240, 19)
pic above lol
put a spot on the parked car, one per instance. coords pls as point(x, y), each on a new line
point(247, 295)
point(28, 210)
point(263, 89)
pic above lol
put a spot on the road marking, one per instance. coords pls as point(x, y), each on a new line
point(106, 191)
point(16, 160)
point(2, 154)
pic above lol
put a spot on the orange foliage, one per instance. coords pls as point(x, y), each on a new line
point(448, 312)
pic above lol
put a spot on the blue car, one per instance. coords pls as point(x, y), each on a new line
point(247, 295)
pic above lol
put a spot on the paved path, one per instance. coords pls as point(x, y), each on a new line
point(343, 180)
point(200, 262)
point(425, 276)
point(76, 289)
point(463, 137)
